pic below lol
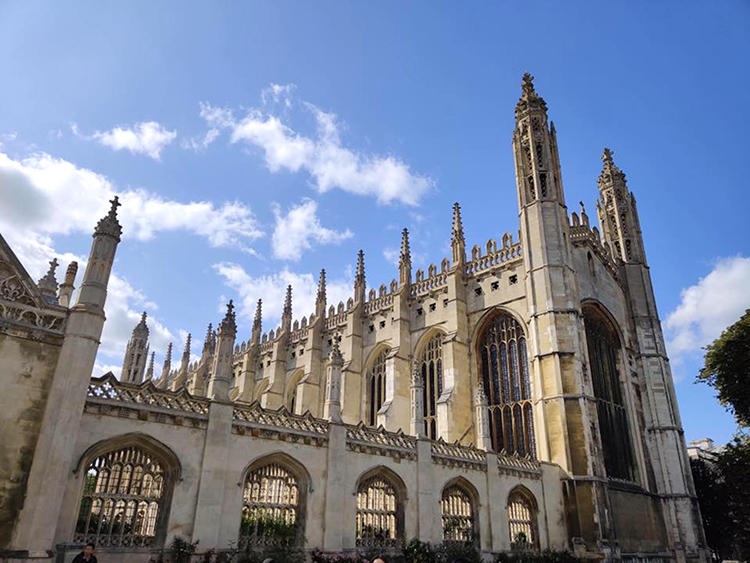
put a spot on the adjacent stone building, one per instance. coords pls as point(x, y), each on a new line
point(516, 396)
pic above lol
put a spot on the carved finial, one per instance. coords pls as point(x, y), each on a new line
point(335, 357)
point(287, 313)
point(405, 250)
point(150, 369)
point(611, 173)
point(258, 320)
point(404, 265)
point(186, 352)
point(48, 284)
point(167, 367)
point(458, 244)
point(109, 225)
point(607, 157)
point(583, 208)
point(360, 274)
point(228, 326)
point(141, 329)
point(321, 298)
point(208, 341)
point(529, 98)
point(527, 84)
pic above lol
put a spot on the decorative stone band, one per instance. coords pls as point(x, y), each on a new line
point(336, 320)
point(378, 304)
point(362, 438)
point(146, 395)
point(517, 465)
point(456, 455)
point(27, 319)
point(255, 416)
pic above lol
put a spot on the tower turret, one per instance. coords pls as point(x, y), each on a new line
point(136, 353)
point(618, 216)
point(320, 298)
point(102, 256)
point(67, 287)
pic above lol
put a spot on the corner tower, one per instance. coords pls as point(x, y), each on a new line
point(136, 353)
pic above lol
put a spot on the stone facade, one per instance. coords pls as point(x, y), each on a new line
point(530, 375)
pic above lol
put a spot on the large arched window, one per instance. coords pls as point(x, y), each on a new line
point(457, 509)
point(603, 347)
point(522, 520)
point(505, 373)
point(430, 365)
point(271, 507)
point(122, 503)
point(379, 512)
point(376, 387)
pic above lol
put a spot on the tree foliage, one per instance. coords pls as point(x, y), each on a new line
point(727, 368)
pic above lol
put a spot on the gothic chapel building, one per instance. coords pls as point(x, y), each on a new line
point(515, 396)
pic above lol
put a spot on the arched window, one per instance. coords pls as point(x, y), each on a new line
point(376, 387)
point(505, 374)
point(271, 503)
point(431, 365)
point(458, 515)
point(122, 499)
point(522, 520)
point(379, 520)
point(603, 347)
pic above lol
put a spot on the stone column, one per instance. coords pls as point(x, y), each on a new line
point(332, 408)
point(336, 523)
point(481, 410)
point(417, 403)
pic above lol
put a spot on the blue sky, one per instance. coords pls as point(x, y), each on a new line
point(255, 143)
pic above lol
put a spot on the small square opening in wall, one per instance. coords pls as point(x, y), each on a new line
point(294, 354)
point(302, 351)
point(420, 311)
point(372, 328)
point(478, 291)
point(268, 363)
point(513, 280)
point(445, 302)
point(382, 324)
point(495, 285)
point(330, 342)
point(433, 306)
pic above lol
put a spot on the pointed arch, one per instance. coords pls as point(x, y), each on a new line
point(290, 392)
point(459, 506)
point(274, 500)
point(375, 383)
point(126, 491)
point(429, 362)
point(504, 372)
point(523, 528)
point(605, 363)
point(381, 495)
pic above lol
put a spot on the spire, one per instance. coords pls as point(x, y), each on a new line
point(360, 282)
point(167, 366)
point(458, 244)
point(404, 265)
point(141, 329)
point(109, 225)
point(150, 370)
point(530, 100)
point(208, 341)
point(258, 321)
point(186, 352)
point(228, 325)
point(286, 315)
point(321, 297)
point(48, 284)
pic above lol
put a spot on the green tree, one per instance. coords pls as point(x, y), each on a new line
point(712, 497)
point(727, 368)
point(733, 464)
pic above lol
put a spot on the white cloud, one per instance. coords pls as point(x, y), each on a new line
point(330, 164)
point(299, 229)
point(392, 256)
point(272, 290)
point(148, 138)
point(708, 307)
point(44, 196)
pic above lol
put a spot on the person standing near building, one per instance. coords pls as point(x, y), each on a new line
point(87, 555)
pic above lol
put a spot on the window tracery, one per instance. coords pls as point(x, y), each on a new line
point(522, 521)
point(121, 502)
point(270, 507)
point(378, 513)
point(376, 387)
point(603, 349)
point(506, 379)
point(431, 367)
point(457, 515)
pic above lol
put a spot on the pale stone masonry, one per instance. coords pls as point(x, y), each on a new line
point(529, 377)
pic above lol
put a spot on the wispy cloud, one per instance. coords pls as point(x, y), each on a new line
point(330, 164)
point(148, 138)
point(300, 228)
